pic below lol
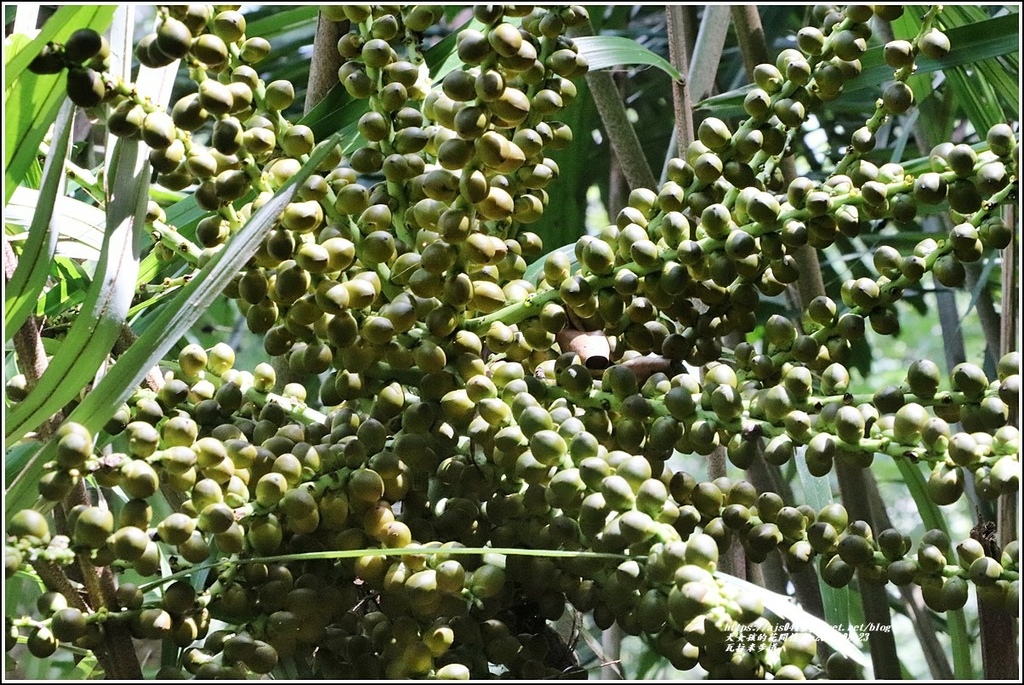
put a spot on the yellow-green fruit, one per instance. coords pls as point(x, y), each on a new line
point(265, 534)
point(29, 523)
point(93, 526)
point(130, 543)
point(934, 44)
point(365, 486)
point(176, 528)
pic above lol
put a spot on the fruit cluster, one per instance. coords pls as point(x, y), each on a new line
point(456, 469)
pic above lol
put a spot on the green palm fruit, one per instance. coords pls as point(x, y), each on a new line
point(29, 523)
point(93, 526)
point(85, 87)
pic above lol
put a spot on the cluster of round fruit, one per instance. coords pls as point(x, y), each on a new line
point(264, 484)
point(452, 412)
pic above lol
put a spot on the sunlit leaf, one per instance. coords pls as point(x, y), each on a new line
point(611, 52)
point(33, 263)
point(95, 330)
point(174, 319)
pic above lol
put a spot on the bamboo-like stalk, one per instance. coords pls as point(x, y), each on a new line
point(991, 324)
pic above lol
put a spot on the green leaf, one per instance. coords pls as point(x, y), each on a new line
point(283, 20)
point(16, 458)
point(336, 112)
point(31, 100)
point(608, 52)
point(972, 43)
point(34, 261)
point(933, 519)
point(94, 332)
point(173, 321)
point(71, 284)
point(818, 494)
point(997, 37)
point(79, 224)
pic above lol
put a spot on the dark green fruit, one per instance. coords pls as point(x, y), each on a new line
point(173, 38)
point(93, 526)
point(82, 45)
point(68, 624)
point(50, 60)
point(897, 97)
point(969, 379)
point(41, 642)
point(130, 543)
point(923, 378)
point(85, 87)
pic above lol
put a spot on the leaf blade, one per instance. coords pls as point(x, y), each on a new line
point(93, 334)
point(29, 276)
point(605, 52)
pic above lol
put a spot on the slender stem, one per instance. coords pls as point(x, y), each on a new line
point(750, 36)
point(882, 643)
point(707, 50)
point(611, 645)
point(934, 652)
point(987, 315)
point(679, 56)
point(999, 627)
point(323, 70)
point(621, 135)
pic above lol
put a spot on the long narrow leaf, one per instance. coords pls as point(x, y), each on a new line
point(835, 601)
point(93, 334)
point(607, 52)
point(997, 37)
point(34, 262)
point(933, 519)
point(174, 320)
point(77, 222)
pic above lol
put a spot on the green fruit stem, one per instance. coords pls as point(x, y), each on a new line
point(180, 245)
point(890, 291)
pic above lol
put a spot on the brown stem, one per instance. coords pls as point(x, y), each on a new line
point(934, 652)
point(28, 348)
point(999, 627)
point(323, 70)
point(621, 134)
point(153, 380)
point(678, 52)
point(884, 658)
point(55, 580)
point(749, 36)
point(28, 345)
point(124, 660)
point(991, 326)
point(998, 656)
point(811, 284)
